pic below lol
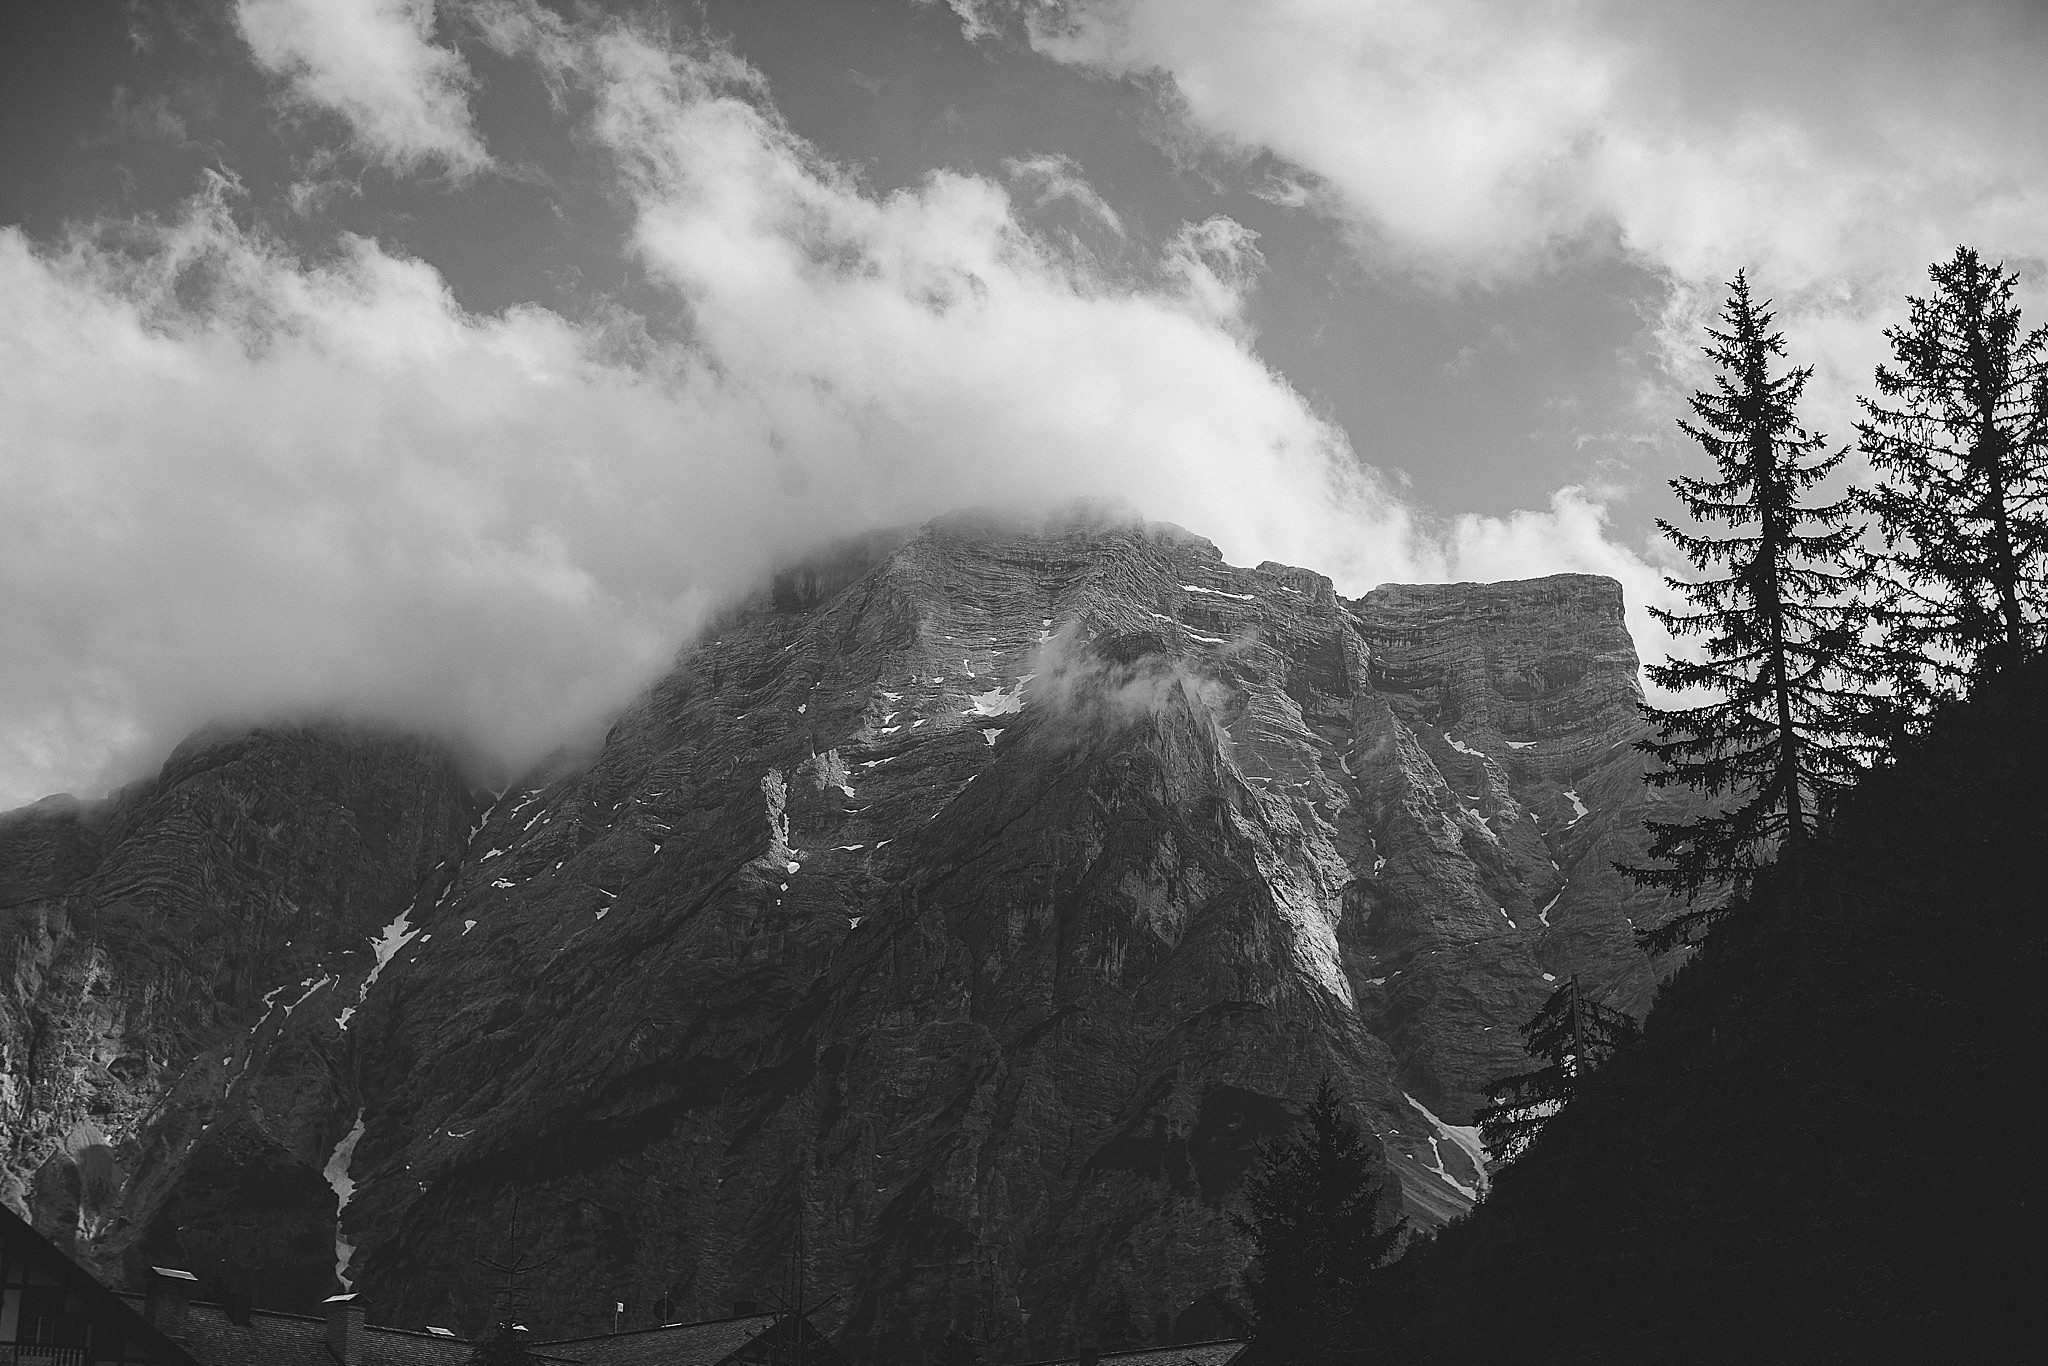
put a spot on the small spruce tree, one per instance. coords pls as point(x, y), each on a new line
point(1958, 437)
point(502, 1346)
point(1315, 1226)
point(1572, 1035)
point(1774, 738)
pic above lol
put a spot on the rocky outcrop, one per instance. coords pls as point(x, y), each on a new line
point(154, 947)
point(966, 909)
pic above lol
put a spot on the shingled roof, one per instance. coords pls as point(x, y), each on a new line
point(85, 1311)
point(215, 1338)
point(274, 1339)
point(675, 1344)
point(1187, 1354)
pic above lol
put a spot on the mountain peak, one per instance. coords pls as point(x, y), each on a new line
point(980, 896)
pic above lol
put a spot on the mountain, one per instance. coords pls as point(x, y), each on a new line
point(974, 900)
point(1816, 1152)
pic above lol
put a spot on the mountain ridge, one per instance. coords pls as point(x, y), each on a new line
point(984, 893)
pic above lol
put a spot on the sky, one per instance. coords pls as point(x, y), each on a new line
point(444, 362)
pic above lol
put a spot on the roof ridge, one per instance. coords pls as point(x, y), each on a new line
point(659, 1328)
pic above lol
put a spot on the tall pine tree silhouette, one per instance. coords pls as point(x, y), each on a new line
point(504, 1343)
point(1314, 1225)
point(1773, 740)
point(1958, 436)
point(1572, 1034)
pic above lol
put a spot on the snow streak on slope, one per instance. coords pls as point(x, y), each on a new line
point(344, 1188)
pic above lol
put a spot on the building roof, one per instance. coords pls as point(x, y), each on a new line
point(20, 1239)
point(1187, 1354)
point(213, 1337)
point(270, 1338)
point(675, 1344)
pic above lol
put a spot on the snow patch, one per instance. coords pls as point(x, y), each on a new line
point(1206, 640)
point(310, 986)
point(1463, 1136)
point(1578, 807)
point(344, 1188)
point(996, 702)
point(493, 854)
point(1519, 744)
point(1461, 746)
point(1544, 914)
point(503, 883)
point(1550, 977)
point(989, 734)
point(1219, 593)
point(386, 945)
point(468, 925)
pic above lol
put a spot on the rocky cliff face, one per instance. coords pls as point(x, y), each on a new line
point(157, 945)
point(976, 901)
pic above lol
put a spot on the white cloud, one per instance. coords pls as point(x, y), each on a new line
point(1057, 178)
point(1832, 147)
point(1812, 141)
point(242, 483)
point(376, 64)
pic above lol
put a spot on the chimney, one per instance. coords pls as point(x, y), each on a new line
point(170, 1290)
point(345, 1329)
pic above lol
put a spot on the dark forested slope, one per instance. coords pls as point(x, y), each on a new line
point(1819, 1151)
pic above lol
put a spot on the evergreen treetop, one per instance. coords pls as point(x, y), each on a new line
point(1315, 1225)
point(1573, 1034)
point(1772, 741)
point(1958, 437)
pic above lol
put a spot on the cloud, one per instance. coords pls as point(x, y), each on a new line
point(374, 63)
point(1812, 140)
point(1054, 179)
point(243, 482)
point(1832, 147)
point(1081, 687)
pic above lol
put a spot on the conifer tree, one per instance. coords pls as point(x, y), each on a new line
point(1958, 436)
point(503, 1345)
point(1772, 741)
point(1573, 1035)
point(1315, 1230)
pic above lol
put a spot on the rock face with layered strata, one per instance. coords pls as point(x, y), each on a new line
point(975, 901)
